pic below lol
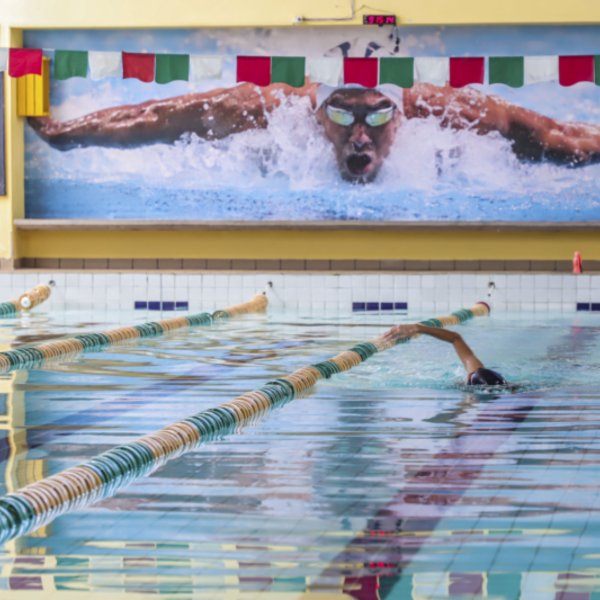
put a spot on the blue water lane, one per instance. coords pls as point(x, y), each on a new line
point(388, 481)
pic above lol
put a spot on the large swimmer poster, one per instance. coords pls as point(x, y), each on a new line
point(121, 149)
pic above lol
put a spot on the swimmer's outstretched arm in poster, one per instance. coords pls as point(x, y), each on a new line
point(223, 112)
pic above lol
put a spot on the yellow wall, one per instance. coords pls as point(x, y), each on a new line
point(12, 206)
point(280, 13)
point(427, 245)
point(48, 14)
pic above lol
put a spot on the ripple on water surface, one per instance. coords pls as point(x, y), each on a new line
point(391, 477)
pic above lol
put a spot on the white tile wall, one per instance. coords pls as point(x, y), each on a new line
point(431, 292)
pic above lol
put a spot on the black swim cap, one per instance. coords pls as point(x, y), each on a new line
point(485, 377)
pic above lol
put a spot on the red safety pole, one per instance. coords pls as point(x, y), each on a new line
point(577, 264)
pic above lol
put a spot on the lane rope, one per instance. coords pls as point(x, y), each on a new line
point(27, 301)
point(40, 502)
point(28, 358)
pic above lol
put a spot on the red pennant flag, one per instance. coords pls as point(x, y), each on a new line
point(138, 66)
point(254, 69)
point(573, 69)
point(361, 70)
point(24, 61)
point(464, 71)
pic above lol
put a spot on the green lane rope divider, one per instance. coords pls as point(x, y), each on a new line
point(34, 297)
point(39, 503)
point(28, 358)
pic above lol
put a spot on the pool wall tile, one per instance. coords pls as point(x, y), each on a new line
point(18, 280)
point(113, 295)
point(428, 281)
point(527, 294)
point(413, 281)
point(209, 291)
point(112, 279)
point(527, 281)
point(469, 280)
point(583, 295)
point(168, 293)
point(99, 280)
point(386, 281)
point(440, 282)
point(194, 282)
point(583, 282)
point(332, 295)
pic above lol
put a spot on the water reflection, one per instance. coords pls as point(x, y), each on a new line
point(385, 482)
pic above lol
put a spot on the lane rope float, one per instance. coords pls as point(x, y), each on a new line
point(40, 502)
point(27, 301)
point(28, 358)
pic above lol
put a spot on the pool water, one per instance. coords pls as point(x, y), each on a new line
point(388, 481)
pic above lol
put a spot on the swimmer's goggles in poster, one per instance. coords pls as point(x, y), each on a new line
point(374, 118)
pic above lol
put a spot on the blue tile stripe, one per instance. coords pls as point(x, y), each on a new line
point(376, 306)
point(141, 305)
point(585, 306)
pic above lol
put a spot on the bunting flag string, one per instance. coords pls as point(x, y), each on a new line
point(434, 70)
point(399, 71)
point(24, 61)
point(69, 63)
point(464, 71)
point(254, 69)
point(172, 67)
point(539, 69)
point(205, 67)
point(138, 65)
point(326, 69)
point(288, 69)
point(105, 64)
point(362, 71)
point(405, 72)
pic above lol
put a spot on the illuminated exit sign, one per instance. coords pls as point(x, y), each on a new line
point(379, 20)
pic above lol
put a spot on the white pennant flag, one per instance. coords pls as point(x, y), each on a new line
point(205, 67)
point(326, 69)
point(435, 70)
point(105, 64)
point(3, 59)
point(540, 68)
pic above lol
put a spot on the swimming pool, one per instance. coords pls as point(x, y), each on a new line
point(386, 481)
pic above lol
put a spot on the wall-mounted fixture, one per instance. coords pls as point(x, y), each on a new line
point(33, 93)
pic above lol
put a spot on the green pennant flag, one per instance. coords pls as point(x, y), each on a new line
point(399, 71)
point(70, 63)
point(597, 69)
point(288, 69)
point(172, 67)
point(509, 70)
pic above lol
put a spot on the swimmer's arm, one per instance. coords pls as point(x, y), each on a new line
point(211, 115)
point(534, 137)
point(466, 355)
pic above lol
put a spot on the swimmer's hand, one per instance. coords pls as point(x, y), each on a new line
point(401, 332)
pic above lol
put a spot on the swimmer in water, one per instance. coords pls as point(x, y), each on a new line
point(360, 123)
point(477, 373)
